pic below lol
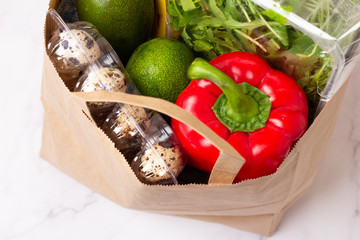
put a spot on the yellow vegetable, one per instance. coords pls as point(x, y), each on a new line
point(160, 18)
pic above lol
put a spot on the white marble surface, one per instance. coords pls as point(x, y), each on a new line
point(39, 202)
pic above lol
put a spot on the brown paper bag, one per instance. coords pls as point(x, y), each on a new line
point(74, 144)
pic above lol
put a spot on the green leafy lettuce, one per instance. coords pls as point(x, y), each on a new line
point(216, 27)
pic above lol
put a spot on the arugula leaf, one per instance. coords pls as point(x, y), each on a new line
point(216, 10)
point(276, 16)
point(175, 14)
point(172, 9)
point(230, 11)
point(202, 45)
point(187, 5)
point(179, 17)
point(282, 31)
point(206, 21)
point(304, 46)
point(186, 37)
point(189, 16)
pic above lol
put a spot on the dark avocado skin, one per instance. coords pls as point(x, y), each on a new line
point(124, 23)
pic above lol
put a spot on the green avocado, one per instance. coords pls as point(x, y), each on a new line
point(159, 67)
point(124, 23)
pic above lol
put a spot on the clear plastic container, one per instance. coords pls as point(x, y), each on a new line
point(105, 76)
point(66, 49)
point(313, 41)
point(145, 138)
point(141, 135)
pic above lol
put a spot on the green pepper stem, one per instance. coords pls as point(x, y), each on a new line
point(239, 106)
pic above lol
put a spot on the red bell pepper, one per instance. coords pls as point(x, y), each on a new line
point(260, 111)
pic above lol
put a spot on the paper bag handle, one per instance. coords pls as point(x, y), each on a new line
point(229, 161)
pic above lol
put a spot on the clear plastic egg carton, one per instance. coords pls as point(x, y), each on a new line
point(86, 62)
point(73, 48)
point(314, 41)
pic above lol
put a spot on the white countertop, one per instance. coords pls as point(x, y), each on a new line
point(39, 202)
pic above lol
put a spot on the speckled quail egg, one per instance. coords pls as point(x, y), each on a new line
point(71, 52)
point(131, 116)
point(77, 47)
point(123, 126)
point(105, 78)
point(160, 163)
